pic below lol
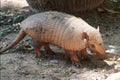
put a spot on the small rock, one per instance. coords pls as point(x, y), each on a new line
point(118, 59)
point(54, 61)
point(117, 67)
point(115, 76)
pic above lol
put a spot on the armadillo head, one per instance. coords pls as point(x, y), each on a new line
point(95, 42)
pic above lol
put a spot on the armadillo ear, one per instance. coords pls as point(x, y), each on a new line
point(85, 36)
point(98, 29)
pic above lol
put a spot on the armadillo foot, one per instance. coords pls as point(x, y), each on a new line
point(77, 64)
point(48, 49)
point(85, 55)
point(37, 56)
point(74, 58)
point(41, 56)
point(87, 58)
point(50, 52)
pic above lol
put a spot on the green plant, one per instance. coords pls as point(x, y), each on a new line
point(65, 72)
point(47, 64)
point(38, 61)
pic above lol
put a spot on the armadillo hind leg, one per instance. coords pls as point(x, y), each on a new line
point(74, 58)
point(48, 49)
point(37, 46)
point(84, 54)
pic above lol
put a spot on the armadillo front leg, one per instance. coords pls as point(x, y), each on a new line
point(74, 58)
point(85, 54)
point(37, 46)
point(48, 49)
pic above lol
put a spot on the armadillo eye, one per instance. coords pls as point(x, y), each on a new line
point(100, 44)
point(93, 46)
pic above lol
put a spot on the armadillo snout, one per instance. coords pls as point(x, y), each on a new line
point(98, 51)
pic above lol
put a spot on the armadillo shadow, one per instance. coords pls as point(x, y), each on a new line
point(60, 55)
point(94, 63)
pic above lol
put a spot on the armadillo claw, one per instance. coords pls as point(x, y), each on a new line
point(39, 56)
point(51, 52)
point(87, 59)
point(77, 63)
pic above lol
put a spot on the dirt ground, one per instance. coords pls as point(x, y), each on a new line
point(20, 63)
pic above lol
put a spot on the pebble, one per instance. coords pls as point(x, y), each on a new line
point(115, 76)
point(54, 61)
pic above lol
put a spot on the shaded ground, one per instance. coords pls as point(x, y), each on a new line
point(20, 63)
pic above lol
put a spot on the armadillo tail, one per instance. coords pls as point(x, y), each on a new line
point(20, 36)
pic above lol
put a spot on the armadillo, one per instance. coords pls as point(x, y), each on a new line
point(66, 31)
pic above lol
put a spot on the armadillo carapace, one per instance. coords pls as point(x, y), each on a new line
point(66, 31)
